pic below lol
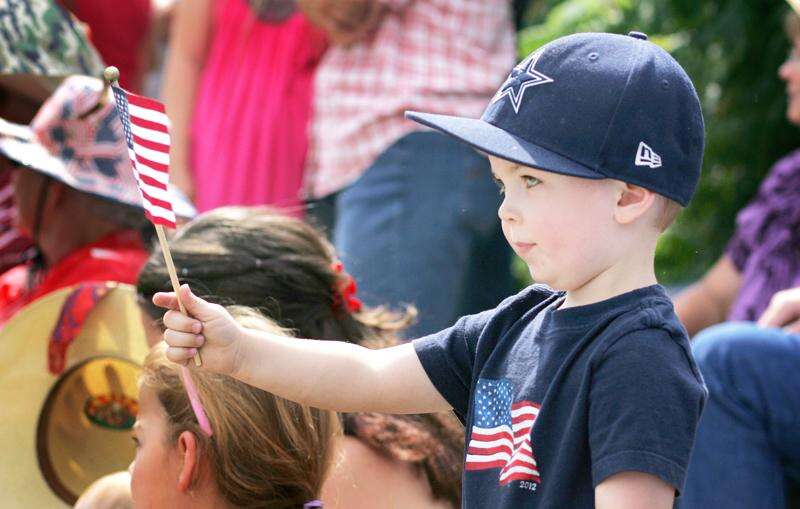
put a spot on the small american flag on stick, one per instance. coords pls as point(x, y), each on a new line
point(146, 128)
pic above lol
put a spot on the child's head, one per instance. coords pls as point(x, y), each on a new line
point(271, 262)
point(561, 225)
point(285, 268)
point(264, 452)
point(598, 141)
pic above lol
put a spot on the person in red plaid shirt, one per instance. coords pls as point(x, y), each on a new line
point(406, 201)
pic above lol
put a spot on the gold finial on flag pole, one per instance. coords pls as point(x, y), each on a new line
point(111, 75)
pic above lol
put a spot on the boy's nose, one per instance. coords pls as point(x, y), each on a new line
point(506, 212)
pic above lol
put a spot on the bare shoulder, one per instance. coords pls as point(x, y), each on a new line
point(361, 478)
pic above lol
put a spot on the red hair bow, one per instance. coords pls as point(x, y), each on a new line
point(346, 290)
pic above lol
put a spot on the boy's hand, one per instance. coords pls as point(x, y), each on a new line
point(207, 325)
point(783, 311)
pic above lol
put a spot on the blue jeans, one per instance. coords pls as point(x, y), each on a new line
point(420, 227)
point(748, 441)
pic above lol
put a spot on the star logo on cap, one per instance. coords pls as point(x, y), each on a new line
point(522, 77)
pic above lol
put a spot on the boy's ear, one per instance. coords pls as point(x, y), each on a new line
point(634, 202)
point(187, 448)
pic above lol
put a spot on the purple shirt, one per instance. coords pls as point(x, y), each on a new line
point(766, 245)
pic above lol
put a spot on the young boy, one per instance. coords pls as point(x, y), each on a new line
point(587, 397)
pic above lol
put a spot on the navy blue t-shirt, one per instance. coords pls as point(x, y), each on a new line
point(557, 400)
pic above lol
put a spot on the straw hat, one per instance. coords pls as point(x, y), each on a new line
point(59, 433)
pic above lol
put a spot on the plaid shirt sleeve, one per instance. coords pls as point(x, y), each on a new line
point(439, 56)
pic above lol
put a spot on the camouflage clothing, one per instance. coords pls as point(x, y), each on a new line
point(39, 37)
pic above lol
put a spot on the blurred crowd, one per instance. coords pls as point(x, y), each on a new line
point(309, 204)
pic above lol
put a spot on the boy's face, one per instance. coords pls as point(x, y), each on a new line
point(561, 226)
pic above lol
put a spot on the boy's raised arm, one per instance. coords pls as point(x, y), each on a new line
point(326, 374)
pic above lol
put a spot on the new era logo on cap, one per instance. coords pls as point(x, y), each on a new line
point(646, 156)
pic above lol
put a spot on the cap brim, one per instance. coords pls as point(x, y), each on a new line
point(494, 141)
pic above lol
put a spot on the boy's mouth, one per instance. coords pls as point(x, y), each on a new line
point(522, 248)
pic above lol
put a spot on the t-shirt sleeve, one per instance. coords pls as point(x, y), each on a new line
point(448, 358)
point(645, 403)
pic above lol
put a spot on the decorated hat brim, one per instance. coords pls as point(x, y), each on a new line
point(492, 140)
point(18, 143)
point(47, 437)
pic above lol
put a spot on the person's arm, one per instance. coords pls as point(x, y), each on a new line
point(633, 490)
point(708, 301)
point(326, 374)
point(344, 21)
point(190, 31)
point(783, 311)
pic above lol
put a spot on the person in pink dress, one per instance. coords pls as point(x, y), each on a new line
point(238, 90)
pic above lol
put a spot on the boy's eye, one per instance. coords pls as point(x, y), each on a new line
point(135, 440)
point(500, 185)
point(530, 181)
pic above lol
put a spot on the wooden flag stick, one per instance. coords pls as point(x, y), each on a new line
point(173, 277)
point(111, 75)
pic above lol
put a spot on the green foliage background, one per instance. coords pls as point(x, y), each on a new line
point(731, 50)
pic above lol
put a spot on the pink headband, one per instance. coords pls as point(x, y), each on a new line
point(194, 401)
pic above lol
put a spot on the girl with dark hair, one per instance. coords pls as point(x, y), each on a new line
point(286, 269)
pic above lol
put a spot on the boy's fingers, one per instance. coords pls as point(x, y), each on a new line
point(176, 320)
point(196, 306)
point(183, 339)
point(166, 300)
point(180, 355)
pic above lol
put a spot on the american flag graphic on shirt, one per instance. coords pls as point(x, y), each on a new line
point(501, 432)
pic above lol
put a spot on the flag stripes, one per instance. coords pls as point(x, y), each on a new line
point(146, 127)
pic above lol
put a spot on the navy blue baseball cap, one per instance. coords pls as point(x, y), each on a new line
point(596, 106)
